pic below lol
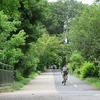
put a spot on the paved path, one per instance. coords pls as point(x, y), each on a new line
point(47, 86)
point(43, 83)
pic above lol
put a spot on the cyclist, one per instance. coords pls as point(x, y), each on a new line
point(64, 73)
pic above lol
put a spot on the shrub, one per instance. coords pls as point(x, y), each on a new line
point(19, 76)
point(76, 60)
point(69, 68)
point(77, 72)
point(88, 70)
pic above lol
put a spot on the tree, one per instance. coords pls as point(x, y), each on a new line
point(48, 49)
point(84, 34)
point(10, 8)
point(9, 45)
point(60, 12)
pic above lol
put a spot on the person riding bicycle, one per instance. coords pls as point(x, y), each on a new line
point(64, 72)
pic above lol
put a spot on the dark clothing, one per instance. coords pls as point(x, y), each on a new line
point(65, 72)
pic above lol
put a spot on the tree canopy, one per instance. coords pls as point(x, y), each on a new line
point(32, 34)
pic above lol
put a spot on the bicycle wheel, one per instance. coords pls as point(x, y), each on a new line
point(65, 78)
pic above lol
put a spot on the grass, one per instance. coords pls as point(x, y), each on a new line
point(5, 89)
point(17, 85)
point(94, 81)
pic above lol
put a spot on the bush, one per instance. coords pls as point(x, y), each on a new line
point(19, 76)
point(69, 68)
point(77, 72)
point(76, 61)
point(88, 70)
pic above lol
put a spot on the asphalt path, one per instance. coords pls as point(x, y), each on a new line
point(48, 86)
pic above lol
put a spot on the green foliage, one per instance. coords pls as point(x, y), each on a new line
point(77, 72)
point(9, 45)
point(58, 15)
point(18, 39)
point(87, 70)
point(12, 50)
point(30, 60)
point(48, 48)
point(38, 31)
point(5, 89)
point(32, 15)
point(19, 76)
point(10, 8)
point(6, 27)
point(34, 74)
point(76, 60)
point(17, 85)
point(84, 34)
point(94, 81)
point(12, 56)
point(24, 39)
point(70, 70)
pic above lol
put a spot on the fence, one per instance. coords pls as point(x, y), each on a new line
point(6, 74)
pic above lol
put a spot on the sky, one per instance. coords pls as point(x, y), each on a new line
point(84, 1)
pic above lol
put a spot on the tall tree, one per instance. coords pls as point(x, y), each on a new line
point(9, 45)
point(48, 47)
point(85, 32)
point(61, 11)
point(10, 7)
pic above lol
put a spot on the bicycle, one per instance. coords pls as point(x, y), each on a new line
point(65, 77)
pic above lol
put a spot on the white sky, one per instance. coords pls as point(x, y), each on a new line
point(84, 1)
